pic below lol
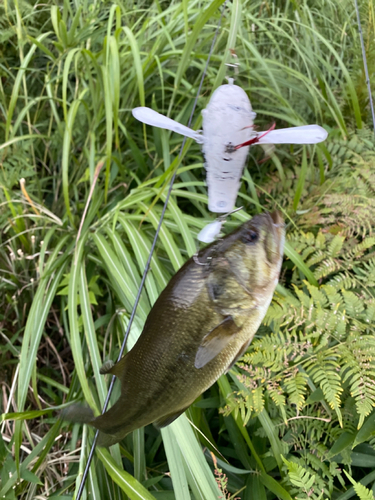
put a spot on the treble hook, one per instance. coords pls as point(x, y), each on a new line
point(234, 65)
point(210, 232)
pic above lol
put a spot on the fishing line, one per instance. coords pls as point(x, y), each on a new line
point(147, 267)
point(365, 63)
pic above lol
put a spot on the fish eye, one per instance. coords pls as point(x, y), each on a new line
point(250, 236)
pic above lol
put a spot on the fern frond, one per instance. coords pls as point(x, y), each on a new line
point(328, 266)
point(362, 492)
point(277, 395)
point(353, 304)
point(303, 481)
point(313, 361)
point(324, 372)
point(358, 369)
point(296, 386)
point(334, 248)
point(342, 280)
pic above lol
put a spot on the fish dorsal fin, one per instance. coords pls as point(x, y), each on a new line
point(169, 418)
point(215, 341)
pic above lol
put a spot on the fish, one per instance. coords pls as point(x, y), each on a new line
point(201, 324)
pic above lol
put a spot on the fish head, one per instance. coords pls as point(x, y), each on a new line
point(255, 251)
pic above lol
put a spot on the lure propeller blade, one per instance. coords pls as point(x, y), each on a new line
point(307, 134)
point(209, 233)
point(155, 119)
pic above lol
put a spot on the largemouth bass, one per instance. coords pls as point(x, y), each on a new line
point(203, 321)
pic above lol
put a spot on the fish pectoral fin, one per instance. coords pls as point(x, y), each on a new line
point(169, 418)
point(215, 341)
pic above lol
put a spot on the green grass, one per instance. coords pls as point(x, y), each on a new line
point(76, 235)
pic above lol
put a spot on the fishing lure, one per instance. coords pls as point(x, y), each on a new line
point(228, 132)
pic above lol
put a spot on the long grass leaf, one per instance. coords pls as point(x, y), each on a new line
point(34, 330)
point(17, 83)
point(90, 334)
point(178, 216)
point(75, 337)
point(120, 275)
point(272, 435)
point(176, 464)
point(141, 255)
point(202, 20)
point(297, 260)
point(137, 63)
point(168, 242)
point(276, 488)
point(157, 268)
point(127, 483)
point(301, 180)
point(194, 457)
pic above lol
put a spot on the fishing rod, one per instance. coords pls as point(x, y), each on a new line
point(365, 63)
point(147, 267)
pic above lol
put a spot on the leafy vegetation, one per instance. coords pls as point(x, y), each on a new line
point(82, 185)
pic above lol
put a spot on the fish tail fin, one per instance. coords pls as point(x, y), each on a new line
point(78, 414)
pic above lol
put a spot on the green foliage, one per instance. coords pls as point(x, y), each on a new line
point(313, 365)
point(76, 233)
point(362, 492)
point(303, 480)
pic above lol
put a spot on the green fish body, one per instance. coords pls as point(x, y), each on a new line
point(203, 321)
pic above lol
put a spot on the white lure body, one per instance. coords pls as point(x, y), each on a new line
point(228, 133)
point(227, 120)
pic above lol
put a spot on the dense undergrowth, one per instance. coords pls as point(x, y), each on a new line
point(81, 192)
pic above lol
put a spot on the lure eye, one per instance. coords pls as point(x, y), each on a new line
point(235, 108)
point(250, 237)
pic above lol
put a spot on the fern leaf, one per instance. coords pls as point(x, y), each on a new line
point(362, 492)
point(354, 305)
point(296, 386)
point(278, 397)
point(324, 372)
point(258, 399)
point(302, 479)
point(358, 368)
point(335, 246)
